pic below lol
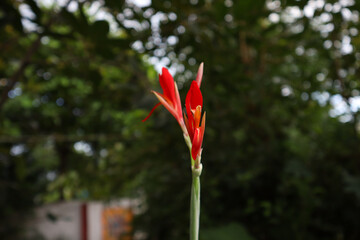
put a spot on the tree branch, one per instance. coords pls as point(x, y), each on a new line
point(19, 73)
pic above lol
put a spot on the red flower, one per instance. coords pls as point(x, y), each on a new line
point(194, 125)
point(170, 97)
point(194, 104)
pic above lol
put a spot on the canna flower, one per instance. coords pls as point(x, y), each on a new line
point(193, 127)
point(194, 124)
point(191, 123)
point(170, 97)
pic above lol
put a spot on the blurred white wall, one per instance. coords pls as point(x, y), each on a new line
point(77, 220)
point(57, 221)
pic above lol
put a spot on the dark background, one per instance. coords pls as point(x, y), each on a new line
point(281, 91)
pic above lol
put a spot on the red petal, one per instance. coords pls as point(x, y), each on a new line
point(202, 127)
point(200, 74)
point(190, 116)
point(196, 143)
point(152, 110)
point(198, 138)
point(196, 98)
point(193, 99)
point(186, 122)
point(168, 105)
point(178, 102)
point(167, 84)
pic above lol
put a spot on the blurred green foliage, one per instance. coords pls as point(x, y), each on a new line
point(231, 231)
point(281, 161)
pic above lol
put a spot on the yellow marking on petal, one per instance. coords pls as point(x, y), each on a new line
point(197, 116)
point(203, 120)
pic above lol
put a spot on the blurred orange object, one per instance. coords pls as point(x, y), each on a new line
point(116, 223)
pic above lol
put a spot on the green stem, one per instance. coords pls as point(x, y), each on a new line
point(195, 204)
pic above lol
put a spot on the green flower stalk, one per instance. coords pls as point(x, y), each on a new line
point(195, 203)
point(192, 124)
